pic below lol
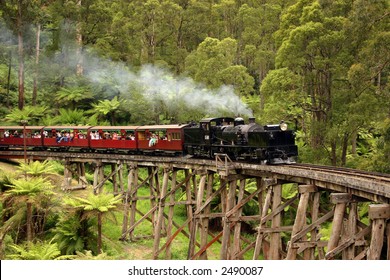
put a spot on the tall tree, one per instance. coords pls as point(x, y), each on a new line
point(16, 15)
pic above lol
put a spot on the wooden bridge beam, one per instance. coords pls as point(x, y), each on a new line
point(300, 218)
point(379, 214)
point(340, 200)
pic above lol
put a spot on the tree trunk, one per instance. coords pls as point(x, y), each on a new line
point(9, 77)
point(37, 52)
point(99, 245)
point(79, 42)
point(354, 142)
point(21, 57)
point(344, 151)
point(29, 222)
point(333, 146)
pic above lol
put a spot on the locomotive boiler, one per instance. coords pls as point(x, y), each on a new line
point(273, 144)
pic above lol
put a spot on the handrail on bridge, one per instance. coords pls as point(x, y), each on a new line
point(222, 161)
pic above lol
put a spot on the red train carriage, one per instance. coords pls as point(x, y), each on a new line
point(13, 136)
point(66, 137)
point(161, 139)
point(113, 138)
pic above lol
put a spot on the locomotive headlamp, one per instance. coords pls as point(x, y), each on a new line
point(283, 126)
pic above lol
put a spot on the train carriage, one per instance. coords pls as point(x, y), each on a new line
point(161, 139)
point(106, 138)
point(66, 137)
point(13, 136)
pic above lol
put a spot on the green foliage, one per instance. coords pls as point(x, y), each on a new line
point(32, 188)
point(32, 114)
point(72, 234)
point(99, 203)
point(37, 168)
point(34, 251)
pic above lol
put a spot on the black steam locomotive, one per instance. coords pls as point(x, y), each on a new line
point(272, 144)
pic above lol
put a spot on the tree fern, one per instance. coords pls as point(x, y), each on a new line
point(37, 168)
point(34, 251)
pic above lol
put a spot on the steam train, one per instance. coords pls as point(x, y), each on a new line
point(272, 144)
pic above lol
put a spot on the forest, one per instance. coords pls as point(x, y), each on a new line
point(322, 66)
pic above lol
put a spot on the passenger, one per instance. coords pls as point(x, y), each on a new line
point(6, 134)
point(153, 140)
point(71, 136)
point(115, 136)
point(95, 135)
point(59, 137)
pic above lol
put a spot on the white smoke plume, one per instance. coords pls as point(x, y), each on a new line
point(159, 85)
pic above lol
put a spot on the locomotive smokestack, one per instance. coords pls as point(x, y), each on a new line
point(252, 120)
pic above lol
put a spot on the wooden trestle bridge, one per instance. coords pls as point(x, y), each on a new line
point(321, 195)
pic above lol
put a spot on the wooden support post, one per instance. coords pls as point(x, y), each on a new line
point(260, 234)
point(81, 175)
point(205, 221)
point(349, 253)
point(97, 176)
point(153, 185)
point(315, 208)
point(237, 227)
point(300, 219)
point(114, 170)
point(120, 175)
point(168, 253)
point(189, 199)
point(197, 222)
point(340, 200)
point(388, 239)
point(379, 214)
point(160, 214)
point(132, 181)
point(224, 254)
point(276, 220)
point(67, 175)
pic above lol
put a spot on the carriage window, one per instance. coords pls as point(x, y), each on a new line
point(174, 136)
point(141, 135)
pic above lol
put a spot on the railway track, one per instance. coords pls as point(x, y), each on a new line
point(379, 177)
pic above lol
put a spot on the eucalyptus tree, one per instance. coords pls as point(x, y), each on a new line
point(17, 16)
point(318, 43)
point(213, 63)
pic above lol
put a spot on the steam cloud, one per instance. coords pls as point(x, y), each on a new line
point(159, 85)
